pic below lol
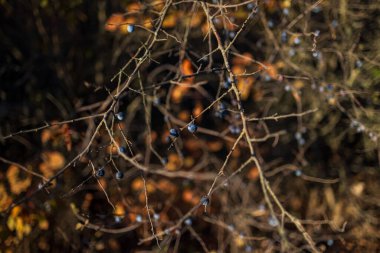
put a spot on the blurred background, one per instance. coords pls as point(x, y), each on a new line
point(316, 62)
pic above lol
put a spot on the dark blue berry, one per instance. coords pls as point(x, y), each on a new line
point(120, 116)
point(284, 37)
point(119, 175)
point(222, 106)
point(122, 150)
point(188, 222)
point(358, 63)
point(270, 24)
point(317, 54)
point(130, 28)
point(174, 132)
point(316, 9)
point(101, 172)
point(273, 221)
point(250, 6)
point(234, 129)
point(205, 200)
point(156, 101)
point(118, 219)
point(227, 84)
point(329, 87)
point(164, 160)
point(297, 41)
point(221, 114)
point(192, 128)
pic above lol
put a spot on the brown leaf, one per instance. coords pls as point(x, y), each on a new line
point(17, 184)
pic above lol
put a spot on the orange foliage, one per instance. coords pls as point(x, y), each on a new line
point(119, 209)
point(134, 7)
point(113, 23)
point(270, 70)
point(56, 134)
point(215, 146)
point(52, 161)
point(174, 162)
point(244, 84)
point(5, 200)
point(253, 173)
point(245, 60)
point(187, 68)
point(198, 109)
point(178, 92)
point(271, 5)
point(16, 183)
point(184, 116)
point(170, 21)
point(167, 186)
point(137, 184)
point(196, 20)
point(193, 144)
point(189, 197)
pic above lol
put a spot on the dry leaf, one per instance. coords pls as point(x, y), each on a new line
point(178, 92)
point(253, 173)
point(244, 85)
point(186, 67)
point(174, 162)
point(134, 7)
point(189, 197)
point(5, 200)
point(198, 109)
point(119, 209)
point(113, 23)
point(137, 184)
point(17, 184)
point(170, 21)
point(245, 60)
